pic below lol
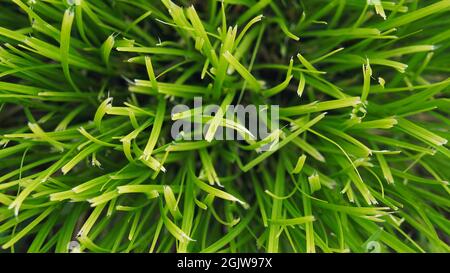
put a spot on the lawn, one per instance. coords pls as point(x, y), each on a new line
point(356, 160)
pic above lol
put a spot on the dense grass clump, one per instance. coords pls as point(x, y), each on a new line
point(87, 161)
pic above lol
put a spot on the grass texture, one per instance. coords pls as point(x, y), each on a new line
point(87, 162)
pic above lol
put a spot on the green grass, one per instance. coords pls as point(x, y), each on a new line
point(86, 92)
